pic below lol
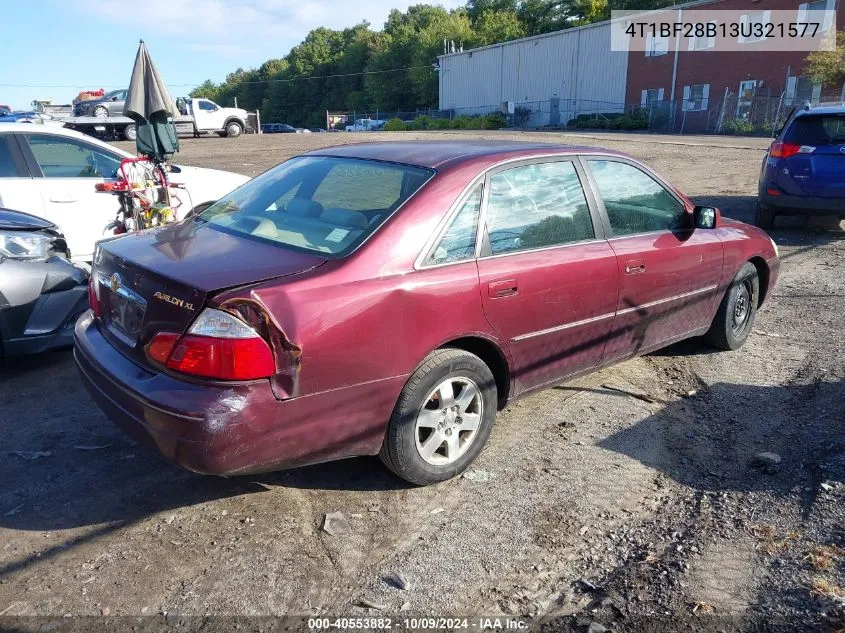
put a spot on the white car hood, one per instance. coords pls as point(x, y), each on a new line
point(206, 185)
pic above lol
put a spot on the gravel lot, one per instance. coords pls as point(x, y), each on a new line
point(589, 507)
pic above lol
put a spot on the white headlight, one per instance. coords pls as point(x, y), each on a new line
point(23, 245)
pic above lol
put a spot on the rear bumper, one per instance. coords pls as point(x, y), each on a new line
point(800, 205)
point(230, 429)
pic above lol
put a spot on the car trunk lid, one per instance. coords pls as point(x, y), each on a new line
point(159, 280)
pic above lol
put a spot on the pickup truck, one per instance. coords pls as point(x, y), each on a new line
point(366, 125)
point(197, 116)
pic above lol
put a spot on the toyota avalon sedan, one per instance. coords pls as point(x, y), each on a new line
point(390, 298)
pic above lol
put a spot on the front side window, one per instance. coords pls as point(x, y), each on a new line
point(535, 206)
point(317, 203)
point(207, 106)
point(70, 158)
point(458, 242)
point(635, 202)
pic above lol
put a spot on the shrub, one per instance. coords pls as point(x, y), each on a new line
point(440, 124)
point(466, 122)
point(521, 115)
point(635, 120)
point(493, 121)
point(395, 125)
point(420, 123)
point(737, 126)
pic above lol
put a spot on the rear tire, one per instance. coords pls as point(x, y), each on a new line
point(101, 112)
point(130, 132)
point(735, 317)
point(764, 217)
point(446, 412)
point(234, 129)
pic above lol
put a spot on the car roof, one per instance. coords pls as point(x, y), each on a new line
point(832, 109)
point(29, 128)
point(434, 154)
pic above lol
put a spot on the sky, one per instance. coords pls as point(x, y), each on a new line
point(53, 49)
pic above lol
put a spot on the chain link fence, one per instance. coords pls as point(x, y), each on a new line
point(729, 113)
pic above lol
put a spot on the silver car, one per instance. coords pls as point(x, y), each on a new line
point(110, 104)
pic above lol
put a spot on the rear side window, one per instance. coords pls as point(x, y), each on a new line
point(534, 206)
point(826, 129)
point(8, 169)
point(458, 242)
point(317, 203)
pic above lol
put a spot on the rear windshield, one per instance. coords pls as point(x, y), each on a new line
point(821, 129)
point(317, 204)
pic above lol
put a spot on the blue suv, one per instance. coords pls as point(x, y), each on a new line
point(804, 171)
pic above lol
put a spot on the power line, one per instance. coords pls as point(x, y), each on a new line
point(259, 81)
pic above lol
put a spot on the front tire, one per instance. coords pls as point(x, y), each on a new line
point(442, 419)
point(735, 318)
point(234, 129)
point(130, 132)
point(764, 217)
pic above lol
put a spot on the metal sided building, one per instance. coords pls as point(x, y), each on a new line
point(554, 75)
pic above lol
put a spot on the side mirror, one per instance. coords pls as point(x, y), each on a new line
point(705, 217)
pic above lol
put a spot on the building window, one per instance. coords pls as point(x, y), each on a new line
point(702, 43)
point(801, 89)
point(805, 14)
point(651, 96)
point(752, 26)
point(695, 97)
point(656, 46)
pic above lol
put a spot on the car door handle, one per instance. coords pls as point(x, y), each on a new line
point(634, 266)
point(504, 288)
point(62, 198)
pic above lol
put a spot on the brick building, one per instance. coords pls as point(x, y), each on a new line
point(697, 85)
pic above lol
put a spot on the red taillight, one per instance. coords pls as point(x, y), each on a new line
point(221, 358)
point(93, 300)
point(213, 357)
point(783, 150)
point(160, 347)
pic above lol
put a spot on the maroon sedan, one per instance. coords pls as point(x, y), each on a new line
point(390, 297)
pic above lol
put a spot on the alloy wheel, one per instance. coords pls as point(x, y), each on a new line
point(447, 424)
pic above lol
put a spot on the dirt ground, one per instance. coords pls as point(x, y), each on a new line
point(590, 509)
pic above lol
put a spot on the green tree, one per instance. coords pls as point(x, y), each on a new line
point(497, 26)
point(828, 67)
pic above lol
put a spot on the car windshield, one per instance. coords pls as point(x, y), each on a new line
point(318, 204)
point(822, 129)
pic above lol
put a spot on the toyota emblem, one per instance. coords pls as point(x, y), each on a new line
point(114, 282)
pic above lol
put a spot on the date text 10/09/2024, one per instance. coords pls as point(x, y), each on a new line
point(418, 624)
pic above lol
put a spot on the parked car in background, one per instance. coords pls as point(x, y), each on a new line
point(52, 172)
point(317, 130)
point(39, 118)
point(4, 109)
point(41, 292)
point(110, 104)
point(803, 172)
point(277, 128)
point(366, 125)
point(390, 297)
